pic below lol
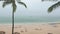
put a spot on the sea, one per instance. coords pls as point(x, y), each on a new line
point(29, 19)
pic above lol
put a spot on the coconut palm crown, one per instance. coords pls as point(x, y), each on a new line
point(6, 2)
point(54, 6)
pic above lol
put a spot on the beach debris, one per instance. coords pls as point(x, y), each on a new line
point(53, 24)
point(49, 33)
point(22, 31)
point(16, 33)
point(37, 28)
point(18, 26)
point(2, 32)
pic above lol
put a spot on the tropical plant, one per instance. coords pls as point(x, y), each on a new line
point(6, 2)
point(54, 6)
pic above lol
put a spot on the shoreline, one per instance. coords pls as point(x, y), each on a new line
point(32, 28)
point(30, 23)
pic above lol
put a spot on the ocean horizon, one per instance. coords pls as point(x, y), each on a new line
point(29, 19)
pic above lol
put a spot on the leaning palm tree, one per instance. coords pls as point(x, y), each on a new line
point(6, 2)
point(54, 6)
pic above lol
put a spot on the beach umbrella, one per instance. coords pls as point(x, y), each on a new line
point(14, 6)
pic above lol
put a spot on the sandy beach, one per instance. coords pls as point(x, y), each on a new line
point(36, 28)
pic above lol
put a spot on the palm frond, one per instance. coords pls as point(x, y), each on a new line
point(22, 3)
point(5, 3)
point(50, 9)
point(54, 6)
point(14, 7)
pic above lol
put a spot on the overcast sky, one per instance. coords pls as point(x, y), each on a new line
point(34, 8)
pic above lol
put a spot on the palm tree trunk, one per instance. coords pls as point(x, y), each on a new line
point(12, 22)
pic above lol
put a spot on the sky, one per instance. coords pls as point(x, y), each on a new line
point(34, 8)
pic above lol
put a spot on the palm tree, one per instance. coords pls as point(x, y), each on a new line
point(6, 2)
point(54, 6)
